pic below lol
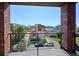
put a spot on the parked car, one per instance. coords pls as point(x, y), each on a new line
point(39, 44)
point(32, 41)
point(49, 44)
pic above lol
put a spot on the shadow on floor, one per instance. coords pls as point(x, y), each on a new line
point(77, 47)
point(73, 53)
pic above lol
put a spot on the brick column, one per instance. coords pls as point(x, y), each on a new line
point(4, 28)
point(68, 24)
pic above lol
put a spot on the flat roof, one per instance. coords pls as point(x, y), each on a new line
point(51, 4)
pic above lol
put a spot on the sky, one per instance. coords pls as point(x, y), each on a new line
point(31, 15)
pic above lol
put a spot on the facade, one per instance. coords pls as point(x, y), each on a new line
point(35, 28)
point(49, 29)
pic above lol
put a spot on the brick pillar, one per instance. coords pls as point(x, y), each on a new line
point(68, 24)
point(4, 28)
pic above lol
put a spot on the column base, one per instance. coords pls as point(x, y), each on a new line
point(70, 52)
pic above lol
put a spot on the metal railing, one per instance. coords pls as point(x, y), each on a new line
point(37, 35)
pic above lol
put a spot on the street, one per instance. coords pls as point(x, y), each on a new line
point(42, 51)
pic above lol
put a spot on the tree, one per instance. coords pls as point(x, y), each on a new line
point(77, 29)
point(19, 31)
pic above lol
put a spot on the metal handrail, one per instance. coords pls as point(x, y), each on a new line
point(35, 33)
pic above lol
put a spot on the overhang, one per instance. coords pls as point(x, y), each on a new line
point(54, 4)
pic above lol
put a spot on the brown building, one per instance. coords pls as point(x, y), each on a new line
point(35, 28)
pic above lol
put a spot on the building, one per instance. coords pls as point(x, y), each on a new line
point(49, 29)
point(35, 29)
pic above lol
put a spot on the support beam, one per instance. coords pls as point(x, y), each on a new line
point(4, 29)
point(48, 4)
point(68, 25)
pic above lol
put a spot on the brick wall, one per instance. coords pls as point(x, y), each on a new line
point(68, 25)
point(4, 28)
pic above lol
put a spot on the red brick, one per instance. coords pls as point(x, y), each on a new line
point(68, 20)
point(4, 28)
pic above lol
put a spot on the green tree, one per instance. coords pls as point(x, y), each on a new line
point(19, 31)
point(77, 29)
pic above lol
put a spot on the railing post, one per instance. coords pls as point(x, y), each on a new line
point(60, 40)
point(37, 51)
point(37, 44)
point(10, 42)
point(74, 42)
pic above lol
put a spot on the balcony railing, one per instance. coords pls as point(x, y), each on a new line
point(19, 39)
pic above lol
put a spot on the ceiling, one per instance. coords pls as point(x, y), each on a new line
point(53, 4)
